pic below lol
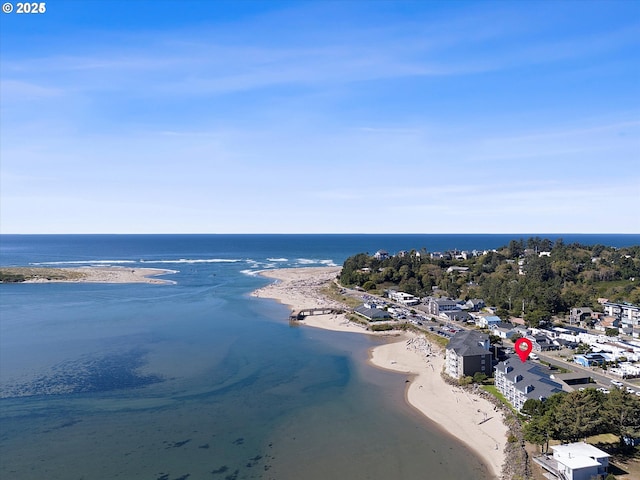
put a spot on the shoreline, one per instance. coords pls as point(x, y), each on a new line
point(469, 418)
point(88, 275)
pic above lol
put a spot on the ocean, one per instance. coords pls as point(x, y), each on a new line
point(198, 380)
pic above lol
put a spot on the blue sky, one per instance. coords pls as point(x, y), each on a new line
point(328, 117)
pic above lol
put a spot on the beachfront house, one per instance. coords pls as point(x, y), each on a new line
point(520, 381)
point(575, 461)
point(467, 354)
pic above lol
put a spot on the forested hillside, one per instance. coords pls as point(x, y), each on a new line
point(548, 278)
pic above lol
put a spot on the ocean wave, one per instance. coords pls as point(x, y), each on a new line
point(251, 273)
point(306, 261)
point(85, 262)
point(310, 261)
point(328, 263)
point(278, 259)
point(195, 260)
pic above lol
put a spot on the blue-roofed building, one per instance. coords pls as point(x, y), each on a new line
point(486, 322)
point(590, 359)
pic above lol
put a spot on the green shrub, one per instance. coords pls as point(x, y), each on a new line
point(381, 328)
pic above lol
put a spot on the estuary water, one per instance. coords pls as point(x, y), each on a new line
point(198, 380)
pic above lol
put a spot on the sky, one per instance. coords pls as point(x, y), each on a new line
point(320, 117)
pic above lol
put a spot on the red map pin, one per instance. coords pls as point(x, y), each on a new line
point(523, 348)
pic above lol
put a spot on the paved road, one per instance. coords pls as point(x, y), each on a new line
point(600, 378)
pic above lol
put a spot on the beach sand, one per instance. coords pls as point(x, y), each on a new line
point(91, 275)
point(468, 417)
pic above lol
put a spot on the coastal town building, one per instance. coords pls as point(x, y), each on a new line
point(520, 381)
point(372, 314)
point(381, 255)
point(542, 343)
point(456, 315)
point(575, 461)
point(475, 304)
point(503, 330)
point(467, 354)
point(608, 323)
point(435, 306)
point(457, 269)
point(590, 359)
point(580, 316)
point(486, 322)
point(404, 298)
point(628, 314)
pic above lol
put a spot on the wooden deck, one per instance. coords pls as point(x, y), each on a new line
point(298, 315)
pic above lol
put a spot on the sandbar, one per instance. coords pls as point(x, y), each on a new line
point(88, 275)
point(470, 418)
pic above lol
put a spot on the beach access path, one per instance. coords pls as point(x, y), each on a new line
point(470, 418)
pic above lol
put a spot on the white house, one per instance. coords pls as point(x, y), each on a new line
point(580, 461)
point(485, 322)
point(404, 298)
point(502, 330)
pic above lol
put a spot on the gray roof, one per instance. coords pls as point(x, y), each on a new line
point(466, 343)
point(445, 301)
point(371, 312)
point(476, 301)
point(532, 375)
point(459, 314)
point(503, 325)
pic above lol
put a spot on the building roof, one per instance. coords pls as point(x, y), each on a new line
point(467, 343)
point(503, 326)
point(371, 313)
point(476, 301)
point(445, 301)
point(579, 449)
point(527, 374)
point(457, 314)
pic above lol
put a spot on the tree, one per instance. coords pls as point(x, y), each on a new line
point(369, 285)
point(622, 413)
point(479, 377)
point(539, 431)
point(578, 416)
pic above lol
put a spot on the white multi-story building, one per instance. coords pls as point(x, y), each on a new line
point(628, 314)
point(436, 306)
point(404, 298)
point(520, 381)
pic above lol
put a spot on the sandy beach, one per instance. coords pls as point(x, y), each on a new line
point(91, 275)
point(468, 417)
